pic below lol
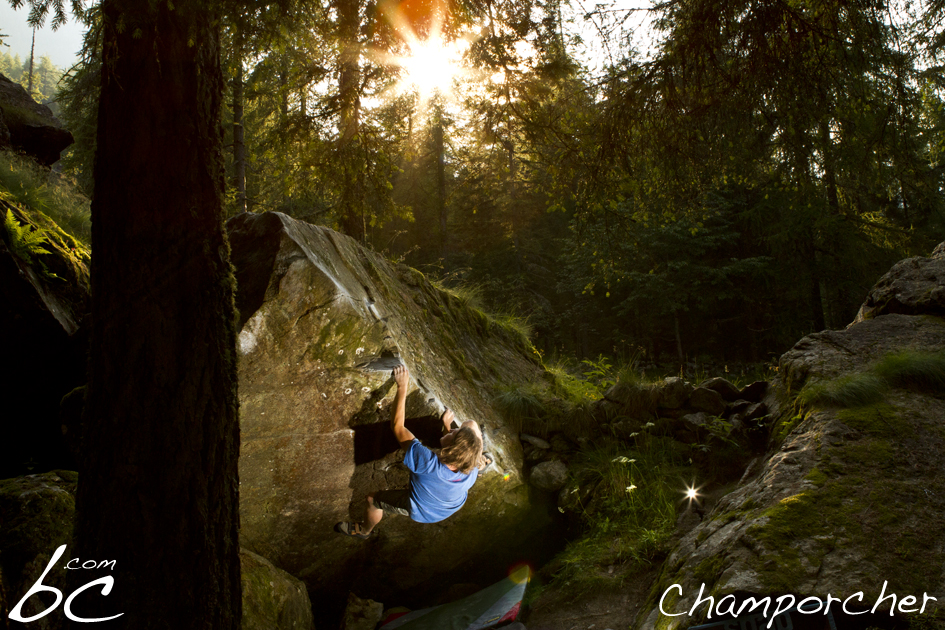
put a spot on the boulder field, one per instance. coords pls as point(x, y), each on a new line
point(323, 321)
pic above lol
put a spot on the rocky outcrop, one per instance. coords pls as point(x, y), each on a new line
point(913, 286)
point(323, 322)
point(28, 127)
point(851, 493)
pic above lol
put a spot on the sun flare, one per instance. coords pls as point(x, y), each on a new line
point(431, 66)
point(429, 61)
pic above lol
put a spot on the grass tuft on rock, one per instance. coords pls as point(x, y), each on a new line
point(913, 369)
point(855, 390)
point(471, 296)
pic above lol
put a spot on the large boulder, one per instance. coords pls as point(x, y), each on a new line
point(28, 127)
point(36, 515)
point(323, 320)
point(43, 303)
point(913, 286)
point(851, 493)
point(272, 599)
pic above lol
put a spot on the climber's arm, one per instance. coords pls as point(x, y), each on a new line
point(402, 378)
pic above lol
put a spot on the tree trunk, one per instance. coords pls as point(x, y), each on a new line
point(679, 349)
point(158, 487)
point(239, 140)
point(439, 148)
point(349, 88)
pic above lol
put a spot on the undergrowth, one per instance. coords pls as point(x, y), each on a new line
point(24, 241)
point(631, 514)
point(47, 199)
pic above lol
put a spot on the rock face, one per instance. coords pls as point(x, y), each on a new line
point(852, 491)
point(28, 127)
point(323, 322)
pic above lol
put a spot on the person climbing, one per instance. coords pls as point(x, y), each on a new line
point(439, 481)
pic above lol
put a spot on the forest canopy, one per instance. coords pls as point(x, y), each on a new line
point(719, 181)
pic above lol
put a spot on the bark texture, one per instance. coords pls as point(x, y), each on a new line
point(159, 487)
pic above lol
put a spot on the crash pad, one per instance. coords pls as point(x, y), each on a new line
point(489, 607)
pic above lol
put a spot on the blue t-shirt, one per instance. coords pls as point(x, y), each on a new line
point(435, 490)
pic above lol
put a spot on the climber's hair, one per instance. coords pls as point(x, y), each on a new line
point(464, 452)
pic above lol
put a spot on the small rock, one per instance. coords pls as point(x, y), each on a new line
point(755, 411)
point(707, 400)
point(673, 393)
point(575, 498)
point(362, 614)
point(561, 444)
point(695, 420)
point(535, 441)
point(737, 407)
point(754, 392)
point(725, 389)
point(549, 476)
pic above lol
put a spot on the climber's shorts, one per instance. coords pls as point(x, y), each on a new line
point(396, 501)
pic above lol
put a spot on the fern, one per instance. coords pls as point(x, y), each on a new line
point(24, 241)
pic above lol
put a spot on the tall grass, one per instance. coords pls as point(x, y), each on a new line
point(631, 515)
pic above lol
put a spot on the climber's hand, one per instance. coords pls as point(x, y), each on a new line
point(401, 376)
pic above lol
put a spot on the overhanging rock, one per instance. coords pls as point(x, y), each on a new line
point(323, 320)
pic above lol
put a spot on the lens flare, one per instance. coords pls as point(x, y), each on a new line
point(430, 55)
point(692, 492)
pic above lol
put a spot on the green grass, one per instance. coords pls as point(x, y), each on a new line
point(916, 370)
point(47, 199)
point(471, 297)
point(631, 515)
point(524, 407)
point(913, 369)
point(855, 390)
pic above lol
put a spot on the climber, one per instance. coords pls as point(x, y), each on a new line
point(438, 481)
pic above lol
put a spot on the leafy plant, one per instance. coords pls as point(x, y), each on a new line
point(41, 192)
point(24, 241)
